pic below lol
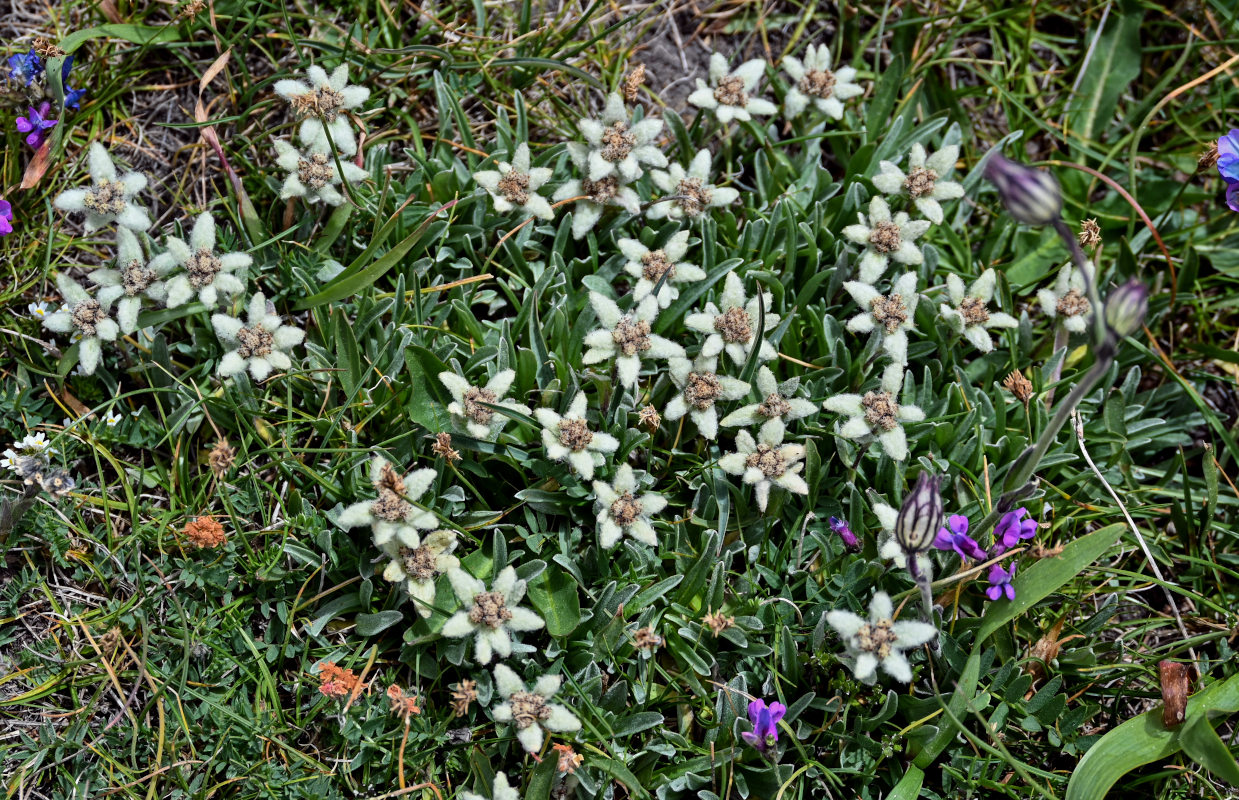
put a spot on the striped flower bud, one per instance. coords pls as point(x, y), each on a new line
point(1126, 307)
point(1031, 195)
point(920, 516)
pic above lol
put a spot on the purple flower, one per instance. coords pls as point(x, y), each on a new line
point(37, 125)
point(73, 97)
point(845, 533)
point(1000, 582)
point(957, 539)
point(1011, 529)
point(765, 719)
point(25, 67)
point(6, 218)
point(1232, 196)
point(1228, 158)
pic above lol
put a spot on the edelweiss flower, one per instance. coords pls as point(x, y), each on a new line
point(492, 615)
point(649, 266)
point(885, 239)
point(700, 388)
point(417, 566)
point(625, 338)
point(467, 403)
point(206, 272)
point(110, 198)
point(260, 344)
point(622, 512)
point(968, 314)
point(514, 185)
point(727, 94)
point(616, 144)
point(130, 281)
point(733, 329)
point(888, 546)
point(501, 790)
point(605, 191)
point(892, 315)
point(392, 515)
point(322, 102)
point(569, 438)
point(925, 181)
point(880, 640)
point(692, 189)
point(878, 414)
point(85, 317)
point(1068, 298)
point(312, 173)
point(778, 404)
point(529, 710)
point(766, 462)
point(813, 82)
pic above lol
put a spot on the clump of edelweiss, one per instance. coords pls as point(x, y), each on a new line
point(766, 462)
point(595, 196)
point(880, 640)
point(615, 145)
point(878, 414)
point(514, 185)
point(416, 566)
point(622, 511)
point(814, 84)
point(1068, 299)
point(322, 102)
point(85, 317)
point(925, 183)
point(312, 173)
point(626, 338)
point(727, 94)
point(392, 517)
point(891, 315)
point(885, 239)
point(691, 190)
point(660, 269)
point(777, 407)
point(261, 343)
point(968, 313)
point(468, 406)
point(700, 390)
point(111, 196)
point(128, 281)
point(568, 438)
point(500, 790)
point(733, 328)
point(530, 710)
point(206, 273)
point(490, 616)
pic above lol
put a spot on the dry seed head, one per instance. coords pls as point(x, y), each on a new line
point(717, 622)
point(205, 532)
point(1018, 385)
point(1208, 159)
point(633, 81)
point(87, 315)
point(649, 417)
point(221, 457)
point(646, 639)
point(45, 48)
point(390, 506)
point(443, 447)
point(463, 696)
point(1090, 233)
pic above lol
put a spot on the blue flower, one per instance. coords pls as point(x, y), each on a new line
point(765, 719)
point(37, 125)
point(6, 218)
point(73, 97)
point(1000, 582)
point(25, 67)
point(1011, 529)
point(957, 539)
point(1228, 158)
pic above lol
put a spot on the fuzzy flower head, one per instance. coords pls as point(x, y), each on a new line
point(1000, 582)
point(86, 318)
point(880, 640)
point(595, 196)
point(700, 389)
point(260, 344)
point(500, 790)
point(621, 511)
point(322, 102)
point(925, 183)
point(206, 273)
point(416, 568)
point(814, 84)
point(514, 185)
point(955, 537)
point(626, 338)
point(733, 328)
point(778, 406)
point(1068, 299)
point(529, 710)
point(392, 517)
point(312, 173)
point(468, 406)
point(616, 145)
point(1012, 529)
point(878, 414)
point(37, 125)
point(727, 94)
point(659, 272)
point(968, 313)
point(693, 194)
point(766, 462)
point(892, 315)
point(765, 719)
point(489, 616)
point(111, 196)
point(885, 239)
point(568, 438)
point(129, 280)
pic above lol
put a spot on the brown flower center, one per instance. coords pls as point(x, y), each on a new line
point(135, 278)
point(734, 325)
point(474, 410)
point(774, 406)
point(694, 196)
point(575, 434)
point(528, 708)
point(702, 389)
point(819, 83)
point(730, 92)
point(973, 310)
point(880, 410)
point(255, 342)
point(601, 192)
point(87, 315)
point(316, 171)
point(323, 102)
point(390, 506)
point(890, 312)
point(514, 186)
point(418, 562)
point(768, 459)
point(625, 509)
point(489, 609)
point(876, 638)
point(885, 237)
point(389, 479)
point(920, 182)
point(631, 336)
point(655, 264)
point(107, 197)
point(202, 267)
point(1073, 304)
point(617, 142)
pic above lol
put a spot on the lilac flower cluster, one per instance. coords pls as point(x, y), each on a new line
point(1012, 528)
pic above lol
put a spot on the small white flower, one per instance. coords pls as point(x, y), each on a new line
point(693, 192)
point(10, 459)
point(813, 82)
point(111, 196)
point(417, 566)
point(608, 190)
point(733, 329)
point(514, 185)
point(649, 266)
point(879, 640)
point(39, 310)
point(129, 281)
point(392, 517)
point(888, 546)
point(86, 317)
point(322, 101)
point(700, 388)
point(616, 145)
point(490, 616)
point(626, 338)
point(467, 403)
point(501, 790)
point(925, 182)
point(727, 93)
point(568, 438)
point(261, 343)
point(878, 413)
point(113, 418)
point(207, 273)
point(621, 511)
point(766, 462)
point(35, 444)
point(891, 315)
point(778, 406)
point(1068, 298)
point(885, 239)
point(312, 173)
point(968, 314)
point(529, 710)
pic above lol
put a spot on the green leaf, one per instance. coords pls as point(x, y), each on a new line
point(1115, 63)
point(621, 773)
point(372, 624)
point(138, 34)
point(641, 721)
point(542, 781)
point(554, 594)
point(1202, 744)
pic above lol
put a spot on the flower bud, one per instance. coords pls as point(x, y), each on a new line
point(1126, 307)
point(920, 516)
point(1031, 195)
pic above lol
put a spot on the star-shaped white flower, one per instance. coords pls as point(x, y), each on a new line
point(813, 83)
point(694, 194)
point(879, 640)
point(312, 173)
point(490, 616)
point(261, 343)
point(733, 328)
point(86, 319)
point(778, 406)
point(878, 413)
point(322, 102)
point(885, 239)
point(468, 403)
point(649, 266)
point(968, 315)
point(700, 388)
point(514, 185)
point(500, 790)
point(621, 511)
point(1068, 299)
point(207, 273)
point(129, 281)
point(568, 438)
point(529, 711)
point(598, 194)
point(766, 462)
point(925, 182)
point(617, 145)
point(416, 567)
point(891, 315)
point(110, 198)
point(727, 93)
point(626, 338)
point(392, 517)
